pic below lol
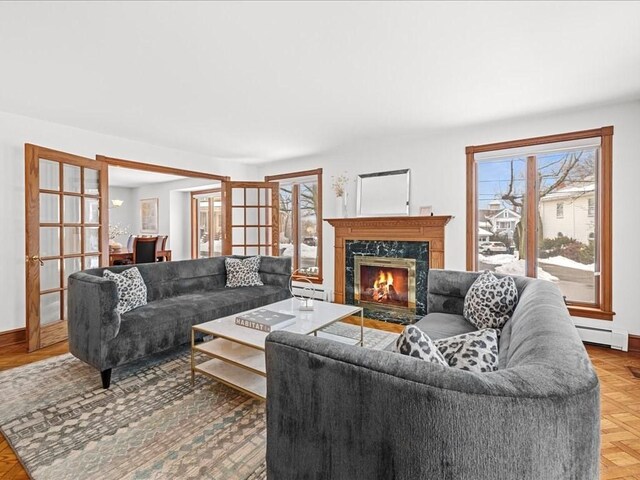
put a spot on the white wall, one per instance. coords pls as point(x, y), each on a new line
point(124, 215)
point(17, 130)
point(437, 163)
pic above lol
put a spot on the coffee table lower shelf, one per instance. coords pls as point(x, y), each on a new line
point(236, 377)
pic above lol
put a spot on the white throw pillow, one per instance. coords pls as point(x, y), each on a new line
point(243, 273)
point(415, 343)
point(490, 301)
point(132, 292)
point(474, 351)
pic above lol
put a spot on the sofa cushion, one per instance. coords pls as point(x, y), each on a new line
point(243, 273)
point(132, 292)
point(415, 343)
point(490, 301)
point(201, 307)
point(442, 325)
point(475, 351)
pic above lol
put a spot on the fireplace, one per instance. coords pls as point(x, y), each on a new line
point(419, 239)
point(383, 283)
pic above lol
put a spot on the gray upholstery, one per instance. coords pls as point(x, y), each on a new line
point(338, 411)
point(180, 295)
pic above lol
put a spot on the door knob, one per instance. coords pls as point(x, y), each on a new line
point(36, 258)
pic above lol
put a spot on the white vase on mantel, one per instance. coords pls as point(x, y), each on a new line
point(341, 206)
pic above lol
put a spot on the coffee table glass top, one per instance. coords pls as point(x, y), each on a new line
point(307, 322)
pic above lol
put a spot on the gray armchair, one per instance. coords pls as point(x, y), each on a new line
point(343, 412)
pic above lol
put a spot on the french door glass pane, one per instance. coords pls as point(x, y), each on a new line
point(72, 240)
point(252, 196)
point(71, 265)
point(49, 241)
point(237, 235)
point(91, 262)
point(50, 275)
point(502, 187)
point(237, 196)
point(91, 210)
point(71, 178)
point(49, 175)
point(49, 208)
point(237, 216)
point(49, 308)
point(91, 181)
point(567, 222)
point(91, 239)
point(238, 251)
point(71, 209)
point(251, 236)
point(252, 216)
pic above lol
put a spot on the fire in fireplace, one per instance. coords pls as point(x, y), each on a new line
point(385, 283)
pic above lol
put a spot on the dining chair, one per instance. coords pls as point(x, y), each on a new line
point(144, 250)
point(161, 246)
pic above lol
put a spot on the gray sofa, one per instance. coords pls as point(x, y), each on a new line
point(179, 294)
point(341, 412)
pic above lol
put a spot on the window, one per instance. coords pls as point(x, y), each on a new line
point(206, 227)
point(591, 206)
point(557, 189)
point(301, 221)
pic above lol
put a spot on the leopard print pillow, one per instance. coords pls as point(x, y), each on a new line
point(415, 343)
point(132, 292)
point(474, 351)
point(243, 273)
point(490, 301)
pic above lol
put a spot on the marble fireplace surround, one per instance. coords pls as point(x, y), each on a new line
point(419, 237)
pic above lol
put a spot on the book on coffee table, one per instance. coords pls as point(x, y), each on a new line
point(265, 320)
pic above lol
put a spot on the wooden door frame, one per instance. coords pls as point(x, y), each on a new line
point(33, 154)
point(195, 241)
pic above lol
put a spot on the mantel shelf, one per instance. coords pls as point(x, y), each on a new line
point(403, 221)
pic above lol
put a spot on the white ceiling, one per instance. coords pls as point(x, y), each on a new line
point(130, 178)
point(265, 81)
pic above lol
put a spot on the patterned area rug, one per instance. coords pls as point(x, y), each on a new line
point(151, 423)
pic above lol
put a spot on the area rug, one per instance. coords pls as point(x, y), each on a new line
point(151, 424)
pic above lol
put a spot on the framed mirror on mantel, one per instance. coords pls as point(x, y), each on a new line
point(383, 194)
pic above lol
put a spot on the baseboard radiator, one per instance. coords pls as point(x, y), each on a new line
point(616, 339)
point(304, 289)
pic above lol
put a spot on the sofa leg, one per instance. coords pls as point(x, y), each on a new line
point(106, 378)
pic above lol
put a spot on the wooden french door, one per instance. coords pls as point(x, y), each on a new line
point(251, 215)
point(66, 231)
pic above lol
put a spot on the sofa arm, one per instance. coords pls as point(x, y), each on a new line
point(336, 411)
point(93, 317)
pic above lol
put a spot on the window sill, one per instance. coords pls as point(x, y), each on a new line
point(590, 312)
point(302, 278)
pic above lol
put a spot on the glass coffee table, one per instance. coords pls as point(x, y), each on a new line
point(236, 353)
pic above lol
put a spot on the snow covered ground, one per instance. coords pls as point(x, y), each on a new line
point(517, 267)
point(567, 262)
point(508, 265)
point(306, 251)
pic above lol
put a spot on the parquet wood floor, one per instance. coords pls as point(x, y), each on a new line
point(620, 394)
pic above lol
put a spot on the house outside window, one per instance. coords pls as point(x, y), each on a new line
point(558, 191)
point(300, 226)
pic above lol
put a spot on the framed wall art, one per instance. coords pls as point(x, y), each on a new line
point(149, 215)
